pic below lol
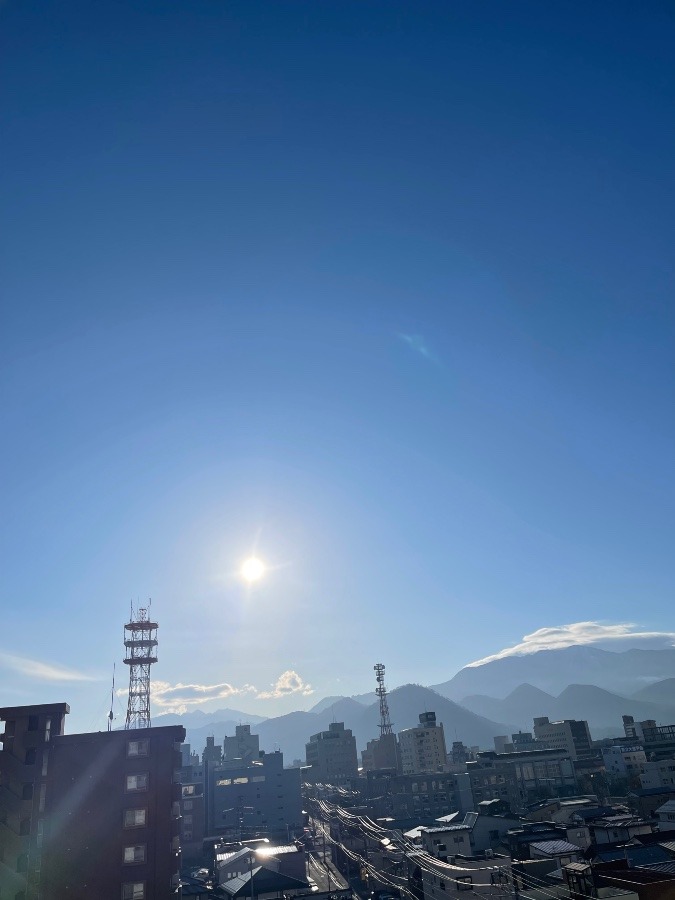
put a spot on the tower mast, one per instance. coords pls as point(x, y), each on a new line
point(381, 691)
point(140, 640)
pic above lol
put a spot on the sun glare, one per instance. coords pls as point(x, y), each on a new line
point(252, 569)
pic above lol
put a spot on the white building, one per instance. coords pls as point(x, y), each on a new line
point(422, 749)
point(486, 876)
point(624, 762)
point(658, 774)
point(571, 735)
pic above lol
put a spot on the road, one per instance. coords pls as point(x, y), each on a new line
point(317, 870)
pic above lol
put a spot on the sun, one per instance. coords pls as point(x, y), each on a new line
point(252, 569)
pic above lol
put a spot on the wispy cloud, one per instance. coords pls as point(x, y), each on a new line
point(419, 345)
point(559, 636)
point(287, 683)
point(41, 671)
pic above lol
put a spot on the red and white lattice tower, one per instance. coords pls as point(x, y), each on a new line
point(381, 691)
point(140, 640)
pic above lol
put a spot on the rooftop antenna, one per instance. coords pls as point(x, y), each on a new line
point(381, 691)
point(112, 700)
point(140, 642)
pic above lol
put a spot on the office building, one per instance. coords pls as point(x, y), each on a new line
point(254, 799)
point(243, 745)
point(570, 735)
point(332, 755)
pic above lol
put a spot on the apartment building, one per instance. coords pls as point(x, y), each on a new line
point(422, 749)
point(24, 761)
point(112, 816)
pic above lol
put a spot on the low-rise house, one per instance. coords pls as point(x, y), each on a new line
point(618, 829)
point(666, 815)
point(561, 851)
point(487, 876)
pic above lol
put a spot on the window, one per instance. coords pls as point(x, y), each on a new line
point(137, 748)
point(133, 890)
point(465, 883)
point(30, 756)
point(135, 854)
point(43, 794)
point(187, 804)
point(27, 791)
point(137, 782)
point(33, 722)
point(45, 762)
point(441, 885)
point(187, 820)
point(134, 818)
point(24, 827)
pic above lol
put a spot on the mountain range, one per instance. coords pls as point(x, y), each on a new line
point(553, 670)
point(290, 732)
point(497, 697)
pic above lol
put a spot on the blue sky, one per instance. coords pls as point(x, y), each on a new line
point(382, 291)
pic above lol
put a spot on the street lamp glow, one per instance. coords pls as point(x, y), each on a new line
point(252, 569)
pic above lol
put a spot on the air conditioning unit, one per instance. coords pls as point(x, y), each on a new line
point(489, 854)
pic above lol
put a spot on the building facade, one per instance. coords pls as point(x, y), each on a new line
point(112, 816)
point(381, 753)
point(258, 798)
point(24, 762)
point(520, 778)
point(422, 749)
point(623, 762)
point(332, 755)
point(242, 745)
point(571, 735)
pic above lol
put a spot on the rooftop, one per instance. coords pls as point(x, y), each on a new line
point(555, 848)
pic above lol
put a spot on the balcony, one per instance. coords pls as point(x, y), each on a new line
point(11, 880)
point(11, 839)
point(9, 800)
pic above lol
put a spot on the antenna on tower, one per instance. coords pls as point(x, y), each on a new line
point(140, 642)
point(381, 691)
point(112, 700)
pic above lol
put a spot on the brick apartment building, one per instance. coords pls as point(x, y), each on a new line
point(112, 816)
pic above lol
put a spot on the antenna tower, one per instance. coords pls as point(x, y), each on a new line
point(140, 640)
point(381, 691)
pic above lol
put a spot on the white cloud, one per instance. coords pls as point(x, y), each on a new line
point(559, 636)
point(178, 698)
point(33, 668)
point(287, 683)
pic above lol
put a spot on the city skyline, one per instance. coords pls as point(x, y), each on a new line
point(381, 295)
